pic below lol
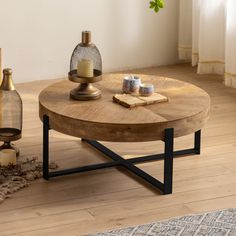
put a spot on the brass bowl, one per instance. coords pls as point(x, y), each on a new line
point(73, 76)
point(85, 91)
point(9, 134)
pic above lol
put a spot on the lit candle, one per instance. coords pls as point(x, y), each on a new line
point(7, 156)
point(85, 68)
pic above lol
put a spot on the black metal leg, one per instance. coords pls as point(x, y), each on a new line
point(197, 142)
point(168, 160)
point(127, 164)
point(117, 160)
point(46, 147)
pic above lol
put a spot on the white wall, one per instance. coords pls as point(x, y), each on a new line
point(38, 36)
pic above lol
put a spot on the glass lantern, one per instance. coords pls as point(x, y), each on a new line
point(86, 69)
point(10, 112)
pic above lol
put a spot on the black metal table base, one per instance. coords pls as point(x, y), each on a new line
point(117, 160)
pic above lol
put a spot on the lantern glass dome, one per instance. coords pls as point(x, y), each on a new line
point(10, 111)
point(85, 69)
point(88, 51)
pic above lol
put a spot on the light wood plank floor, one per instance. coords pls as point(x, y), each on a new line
point(112, 198)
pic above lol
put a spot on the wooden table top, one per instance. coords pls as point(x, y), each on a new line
point(186, 111)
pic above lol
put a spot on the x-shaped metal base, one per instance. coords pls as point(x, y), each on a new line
point(167, 156)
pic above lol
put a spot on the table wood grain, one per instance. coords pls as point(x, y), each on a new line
point(187, 111)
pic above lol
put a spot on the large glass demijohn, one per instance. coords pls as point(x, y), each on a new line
point(10, 112)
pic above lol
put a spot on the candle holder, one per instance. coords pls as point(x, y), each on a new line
point(85, 69)
point(10, 112)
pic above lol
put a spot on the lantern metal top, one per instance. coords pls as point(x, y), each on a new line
point(7, 83)
point(7, 71)
point(86, 37)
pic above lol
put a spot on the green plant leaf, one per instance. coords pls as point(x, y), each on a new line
point(156, 8)
point(160, 3)
point(152, 4)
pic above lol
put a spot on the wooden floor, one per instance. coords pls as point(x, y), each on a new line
point(112, 198)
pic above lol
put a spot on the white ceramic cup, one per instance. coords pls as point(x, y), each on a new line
point(131, 84)
point(146, 90)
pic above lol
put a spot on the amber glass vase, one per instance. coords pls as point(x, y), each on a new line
point(10, 112)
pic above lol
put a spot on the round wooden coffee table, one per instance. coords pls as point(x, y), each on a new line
point(186, 112)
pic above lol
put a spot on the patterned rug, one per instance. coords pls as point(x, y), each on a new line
point(218, 223)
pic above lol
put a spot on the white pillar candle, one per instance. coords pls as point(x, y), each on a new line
point(85, 68)
point(7, 156)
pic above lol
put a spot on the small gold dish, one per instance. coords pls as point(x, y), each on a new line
point(85, 90)
point(73, 76)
